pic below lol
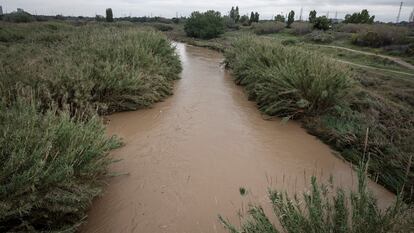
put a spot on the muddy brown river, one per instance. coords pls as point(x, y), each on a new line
point(187, 157)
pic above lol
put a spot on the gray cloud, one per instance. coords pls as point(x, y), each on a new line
point(385, 10)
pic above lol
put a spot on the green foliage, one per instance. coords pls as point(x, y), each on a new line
point(205, 25)
point(244, 20)
point(322, 23)
point(325, 210)
point(380, 35)
point(268, 27)
point(230, 23)
point(280, 18)
point(287, 81)
point(53, 146)
point(254, 17)
point(312, 16)
point(291, 18)
point(51, 168)
point(234, 14)
point(162, 26)
point(99, 18)
point(320, 37)
point(19, 17)
point(362, 17)
point(86, 67)
point(109, 15)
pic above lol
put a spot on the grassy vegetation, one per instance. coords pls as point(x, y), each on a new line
point(323, 210)
point(333, 102)
point(55, 78)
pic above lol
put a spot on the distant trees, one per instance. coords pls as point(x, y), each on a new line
point(322, 23)
point(362, 17)
point(280, 18)
point(205, 25)
point(234, 14)
point(291, 18)
point(109, 15)
point(244, 20)
point(312, 16)
point(254, 17)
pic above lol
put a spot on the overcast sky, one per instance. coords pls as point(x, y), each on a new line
point(384, 10)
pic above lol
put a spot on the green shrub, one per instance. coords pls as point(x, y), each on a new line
point(205, 25)
point(324, 210)
point(320, 37)
point(230, 23)
point(89, 68)
point(352, 28)
point(162, 27)
point(287, 81)
point(322, 23)
point(51, 168)
point(301, 28)
point(357, 17)
point(268, 27)
point(380, 35)
point(19, 17)
point(280, 18)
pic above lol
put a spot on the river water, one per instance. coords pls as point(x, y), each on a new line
point(187, 157)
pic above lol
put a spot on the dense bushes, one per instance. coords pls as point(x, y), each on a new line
point(287, 81)
point(320, 37)
point(51, 167)
point(268, 27)
point(380, 35)
point(19, 17)
point(324, 210)
point(53, 147)
point(204, 25)
point(290, 82)
point(89, 67)
point(301, 28)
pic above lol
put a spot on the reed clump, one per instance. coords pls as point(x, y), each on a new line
point(55, 81)
point(333, 103)
point(325, 209)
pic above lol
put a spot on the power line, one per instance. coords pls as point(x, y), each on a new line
point(399, 12)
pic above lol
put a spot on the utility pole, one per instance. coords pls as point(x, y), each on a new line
point(411, 19)
point(336, 15)
point(1, 10)
point(327, 14)
point(399, 12)
point(301, 11)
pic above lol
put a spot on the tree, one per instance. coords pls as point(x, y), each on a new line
point(362, 17)
point(109, 15)
point(256, 17)
point(245, 20)
point(291, 18)
point(236, 15)
point(280, 18)
point(322, 23)
point(312, 16)
point(204, 25)
point(252, 17)
point(232, 12)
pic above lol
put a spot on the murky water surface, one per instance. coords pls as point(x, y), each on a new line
point(187, 157)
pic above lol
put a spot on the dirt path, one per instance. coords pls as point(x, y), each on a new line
point(394, 59)
point(188, 156)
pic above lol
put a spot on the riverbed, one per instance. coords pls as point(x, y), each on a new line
point(185, 159)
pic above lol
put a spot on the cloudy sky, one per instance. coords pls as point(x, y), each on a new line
point(385, 10)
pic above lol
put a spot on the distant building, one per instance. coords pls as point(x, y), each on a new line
point(1, 10)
